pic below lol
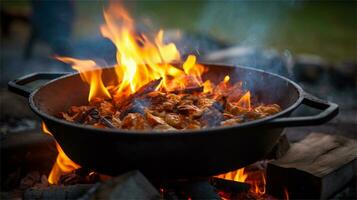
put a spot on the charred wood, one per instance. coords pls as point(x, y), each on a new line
point(131, 185)
point(229, 185)
point(188, 90)
point(149, 87)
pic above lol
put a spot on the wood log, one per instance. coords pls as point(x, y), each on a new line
point(316, 167)
point(57, 192)
point(200, 190)
point(149, 87)
point(229, 185)
point(188, 90)
point(280, 148)
point(131, 185)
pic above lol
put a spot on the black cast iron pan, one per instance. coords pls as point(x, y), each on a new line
point(184, 154)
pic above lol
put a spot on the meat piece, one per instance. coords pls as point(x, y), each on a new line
point(268, 109)
point(164, 127)
point(106, 108)
point(253, 115)
point(190, 110)
point(194, 124)
point(174, 120)
point(232, 121)
point(134, 121)
point(168, 105)
point(235, 110)
point(116, 120)
point(69, 118)
point(154, 120)
point(227, 116)
point(156, 97)
point(205, 102)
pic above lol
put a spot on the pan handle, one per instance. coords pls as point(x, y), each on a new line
point(328, 111)
point(25, 85)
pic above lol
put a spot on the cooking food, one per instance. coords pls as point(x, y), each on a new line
point(223, 104)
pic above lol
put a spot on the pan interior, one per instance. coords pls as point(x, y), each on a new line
point(59, 95)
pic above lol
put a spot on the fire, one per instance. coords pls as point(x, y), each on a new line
point(238, 175)
point(286, 194)
point(139, 60)
point(259, 186)
point(257, 183)
point(244, 101)
point(226, 79)
point(63, 163)
point(90, 73)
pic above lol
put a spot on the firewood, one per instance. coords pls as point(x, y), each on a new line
point(136, 106)
point(229, 185)
point(280, 148)
point(200, 190)
point(57, 192)
point(314, 168)
point(149, 87)
point(131, 185)
point(188, 90)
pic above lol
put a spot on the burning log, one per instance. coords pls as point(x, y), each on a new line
point(189, 90)
point(149, 87)
point(319, 166)
point(229, 185)
point(136, 106)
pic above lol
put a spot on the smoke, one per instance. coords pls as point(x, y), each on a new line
point(248, 23)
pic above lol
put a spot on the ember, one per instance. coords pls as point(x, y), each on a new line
point(152, 94)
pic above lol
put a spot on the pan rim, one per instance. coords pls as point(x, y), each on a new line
point(150, 133)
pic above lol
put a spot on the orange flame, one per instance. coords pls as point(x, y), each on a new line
point(207, 87)
point(63, 163)
point(139, 60)
point(226, 79)
point(259, 186)
point(244, 101)
point(286, 194)
point(239, 175)
point(90, 73)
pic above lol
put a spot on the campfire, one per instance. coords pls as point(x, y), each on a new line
point(150, 93)
point(175, 126)
point(67, 172)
